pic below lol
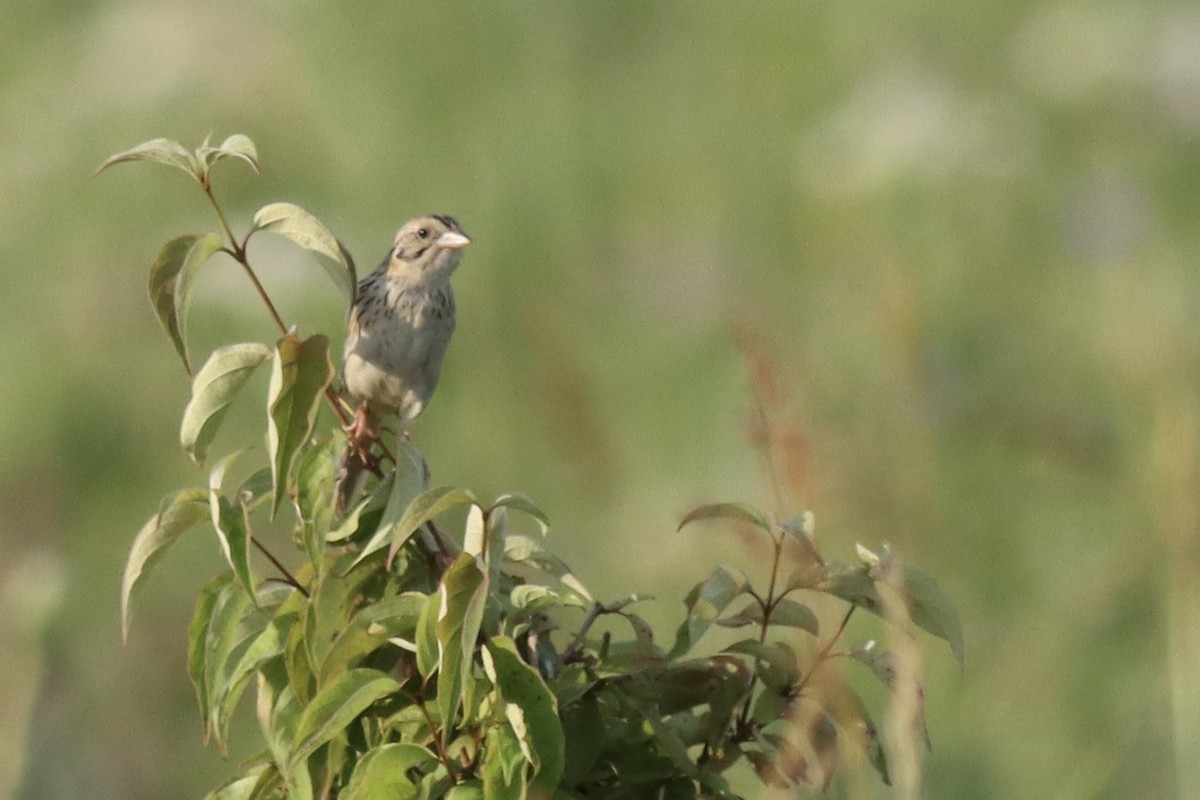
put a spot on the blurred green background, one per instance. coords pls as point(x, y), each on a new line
point(966, 235)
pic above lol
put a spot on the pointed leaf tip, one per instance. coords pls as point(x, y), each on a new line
point(303, 228)
point(161, 151)
point(734, 511)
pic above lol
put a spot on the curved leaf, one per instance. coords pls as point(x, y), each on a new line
point(463, 591)
point(164, 279)
point(705, 603)
point(520, 685)
point(425, 507)
point(310, 233)
point(931, 609)
point(178, 513)
point(300, 372)
point(233, 529)
point(381, 772)
point(236, 146)
point(198, 639)
point(203, 248)
point(519, 502)
point(734, 511)
point(407, 483)
point(335, 707)
point(213, 390)
point(161, 151)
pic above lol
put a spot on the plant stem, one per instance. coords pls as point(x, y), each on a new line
point(238, 253)
point(288, 577)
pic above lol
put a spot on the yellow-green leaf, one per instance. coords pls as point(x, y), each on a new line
point(300, 371)
point(178, 513)
point(169, 289)
point(522, 686)
point(293, 222)
point(213, 390)
point(336, 706)
point(161, 151)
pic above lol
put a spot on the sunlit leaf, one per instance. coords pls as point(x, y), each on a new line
point(524, 550)
point(406, 484)
point(504, 765)
point(170, 280)
point(336, 706)
point(316, 476)
point(428, 653)
point(310, 233)
point(222, 638)
point(198, 639)
point(232, 527)
point(519, 502)
point(242, 787)
point(381, 772)
point(731, 511)
point(520, 685)
point(370, 628)
point(426, 506)
point(300, 371)
point(236, 146)
point(463, 591)
point(178, 513)
point(213, 390)
point(160, 151)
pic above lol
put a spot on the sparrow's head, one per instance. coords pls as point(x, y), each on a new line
point(428, 247)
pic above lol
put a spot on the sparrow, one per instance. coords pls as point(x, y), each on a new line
point(400, 325)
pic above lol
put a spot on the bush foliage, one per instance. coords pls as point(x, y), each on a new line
point(399, 661)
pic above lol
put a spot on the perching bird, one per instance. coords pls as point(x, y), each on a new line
point(403, 318)
point(400, 325)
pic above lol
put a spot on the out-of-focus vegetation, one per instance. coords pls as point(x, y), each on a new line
point(966, 233)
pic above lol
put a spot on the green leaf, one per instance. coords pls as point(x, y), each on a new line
point(243, 664)
point(705, 603)
point(177, 514)
point(300, 371)
point(380, 773)
point(232, 526)
point(853, 585)
point(425, 507)
point(242, 787)
point(583, 734)
point(236, 146)
point(519, 502)
point(221, 639)
point(310, 233)
point(165, 291)
point(520, 685)
point(734, 511)
point(931, 609)
point(198, 639)
point(335, 707)
point(788, 613)
point(199, 253)
point(463, 591)
point(407, 482)
point(503, 769)
point(316, 476)
point(428, 654)
point(524, 550)
point(213, 390)
point(370, 628)
point(161, 151)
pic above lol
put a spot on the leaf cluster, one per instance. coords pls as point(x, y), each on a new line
point(399, 661)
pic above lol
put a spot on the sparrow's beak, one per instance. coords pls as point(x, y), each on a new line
point(451, 240)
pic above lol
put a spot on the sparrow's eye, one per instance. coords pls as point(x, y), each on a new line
point(423, 233)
